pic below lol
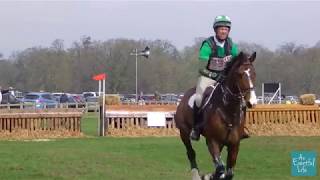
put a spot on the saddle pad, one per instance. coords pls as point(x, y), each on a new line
point(207, 98)
point(191, 100)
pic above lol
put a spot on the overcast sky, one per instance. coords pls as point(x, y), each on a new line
point(28, 24)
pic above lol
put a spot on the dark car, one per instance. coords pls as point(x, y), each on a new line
point(128, 98)
point(75, 101)
point(71, 101)
point(79, 98)
point(40, 100)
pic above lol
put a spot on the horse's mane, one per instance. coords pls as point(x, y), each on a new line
point(232, 66)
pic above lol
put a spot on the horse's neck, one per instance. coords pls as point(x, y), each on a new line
point(232, 91)
point(232, 98)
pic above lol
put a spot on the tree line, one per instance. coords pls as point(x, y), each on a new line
point(167, 70)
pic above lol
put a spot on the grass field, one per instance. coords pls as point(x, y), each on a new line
point(260, 158)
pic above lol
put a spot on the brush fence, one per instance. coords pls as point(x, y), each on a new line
point(264, 120)
point(33, 121)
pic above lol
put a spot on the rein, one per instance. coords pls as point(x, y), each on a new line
point(238, 97)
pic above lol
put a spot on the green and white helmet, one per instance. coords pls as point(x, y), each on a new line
point(222, 20)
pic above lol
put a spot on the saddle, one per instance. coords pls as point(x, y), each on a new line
point(207, 95)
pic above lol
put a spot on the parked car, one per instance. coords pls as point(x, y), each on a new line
point(170, 98)
point(291, 100)
point(128, 98)
point(93, 104)
point(79, 98)
point(40, 100)
point(90, 94)
point(260, 100)
point(75, 101)
point(57, 96)
point(67, 100)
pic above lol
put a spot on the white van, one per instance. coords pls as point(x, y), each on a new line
point(90, 94)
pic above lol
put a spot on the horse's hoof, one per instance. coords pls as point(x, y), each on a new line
point(195, 174)
point(220, 176)
point(207, 177)
point(228, 177)
point(229, 174)
point(245, 136)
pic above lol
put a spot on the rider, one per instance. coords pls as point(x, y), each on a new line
point(217, 51)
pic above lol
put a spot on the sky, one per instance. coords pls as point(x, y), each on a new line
point(27, 24)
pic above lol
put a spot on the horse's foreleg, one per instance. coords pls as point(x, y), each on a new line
point(191, 155)
point(214, 149)
point(231, 160)
point(190, 151)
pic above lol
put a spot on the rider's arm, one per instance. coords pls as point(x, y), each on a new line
point(205, 52)
point(234, 50)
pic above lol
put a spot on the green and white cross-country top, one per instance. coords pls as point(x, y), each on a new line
point(217, 54)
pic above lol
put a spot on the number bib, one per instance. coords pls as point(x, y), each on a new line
point(218, 64)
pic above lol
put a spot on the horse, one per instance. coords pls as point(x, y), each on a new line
point(223, 116)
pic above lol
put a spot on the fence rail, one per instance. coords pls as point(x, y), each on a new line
point(88, 106)
point(151, 102)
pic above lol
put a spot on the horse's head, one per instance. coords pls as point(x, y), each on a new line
point(242, 74)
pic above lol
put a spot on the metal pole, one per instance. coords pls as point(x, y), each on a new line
point(103, 106)
point(99, 88)
point(136, 76)
point(280, 93)
point(262, 89)
point(100, 116)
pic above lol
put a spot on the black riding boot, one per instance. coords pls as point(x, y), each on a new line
point(195, 133)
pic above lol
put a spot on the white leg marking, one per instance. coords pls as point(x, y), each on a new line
point(195, 174)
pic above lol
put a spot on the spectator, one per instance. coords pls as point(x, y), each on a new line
point(63, 98)
point(11, 90)
point(2, 92)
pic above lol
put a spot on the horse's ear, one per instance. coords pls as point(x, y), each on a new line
point(240, 55)
point(253, 57)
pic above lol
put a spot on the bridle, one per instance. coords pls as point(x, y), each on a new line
point(241, 92)
point(239, 96)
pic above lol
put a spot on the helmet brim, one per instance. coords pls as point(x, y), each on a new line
point(222, 24)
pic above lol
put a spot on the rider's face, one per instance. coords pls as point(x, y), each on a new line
point(222, 32)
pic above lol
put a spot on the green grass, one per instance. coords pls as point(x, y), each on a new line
point(260, 158)
point(90, 124)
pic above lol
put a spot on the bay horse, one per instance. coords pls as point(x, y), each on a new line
point(223, 116)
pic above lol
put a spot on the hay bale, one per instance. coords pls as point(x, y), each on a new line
point(308, 99)
point(112, 100)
